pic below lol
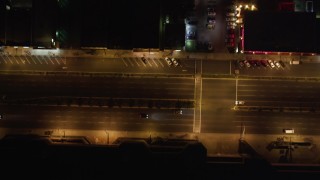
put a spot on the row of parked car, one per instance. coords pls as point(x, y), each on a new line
point(172, 61)
point(261, 63)
point(211, 15)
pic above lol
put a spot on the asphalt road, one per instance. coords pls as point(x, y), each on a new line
point(218, 97)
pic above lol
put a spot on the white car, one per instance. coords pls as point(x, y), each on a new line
point(239, 102)
point(175, 62)
point(168, 60)
point(277, 64)
point(247, 63)
point(271, 63)
point(288, 131)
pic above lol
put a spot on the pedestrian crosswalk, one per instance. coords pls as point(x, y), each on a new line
point(31, 60)
point(145, 62)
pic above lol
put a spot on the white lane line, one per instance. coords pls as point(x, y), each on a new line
point(44, 58)
point(32, 59)
point(135, 60)
point(57, 60)
point(155, 62)
point(131, 63)
point(159, 60)
point(16, 59)
point(4, 59)
point(148, 62)
point(38, 59)
point(124, 62)
point(27, 59)
point(22, 60)
point(9, 59)
point(50, 59)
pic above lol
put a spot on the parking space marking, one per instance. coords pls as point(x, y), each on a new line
point(159, 60)
point(148, 62)
point(32, 59)
point(38, 59)
point(4, 59)
point(14, 57)
point(135, 60)
point(9, 59)
point(130, 62)
point(22, 60)
point(155, 63)
point(124, 62)
point(56, 60)
point(50, 59)
point(27, 59)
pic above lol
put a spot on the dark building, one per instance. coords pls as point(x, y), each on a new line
point(280, 31)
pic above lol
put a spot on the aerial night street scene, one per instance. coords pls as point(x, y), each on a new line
point(159, 89)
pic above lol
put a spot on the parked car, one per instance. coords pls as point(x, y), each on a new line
point(277, 64)
point(271, 63)
point(168, 60)
point(175, 62)
point(247, 63)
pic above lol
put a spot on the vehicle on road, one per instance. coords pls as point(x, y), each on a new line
point(239, 102)
point(144, 116)
point(294, 62)
point(178, 111)
point(282, 64)
point(241, 64)
point(288, 131)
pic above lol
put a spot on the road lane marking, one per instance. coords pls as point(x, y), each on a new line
point(9, 59)
point(49, 59)
point(22, 60)
point(155, 63)
point(135, 60)
point(159, 60)
point(130, 62)
point(4, 60)
point(44, 58)
point(16, 59)
point(148, 62)
point(124, 62)
point(31, 59)
point(38, 59)
point(57, 60)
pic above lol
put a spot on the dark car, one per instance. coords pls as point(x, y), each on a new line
point(282, 64)
point(1, 116)
point(144, 116)
point(144, 60)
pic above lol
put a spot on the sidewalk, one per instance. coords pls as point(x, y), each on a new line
point(217, 144)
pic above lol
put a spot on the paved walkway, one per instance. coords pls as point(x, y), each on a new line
point(217, 144)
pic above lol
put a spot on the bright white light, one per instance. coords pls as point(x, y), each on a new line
point(15, 46)
point(177, 50)
point(52, 40)
point(26, 47)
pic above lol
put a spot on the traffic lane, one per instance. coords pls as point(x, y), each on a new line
point(38, 86)
point(279, 93)
point(274, 123)
point(218, 98)
point(217, 67)
point(96, 118)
